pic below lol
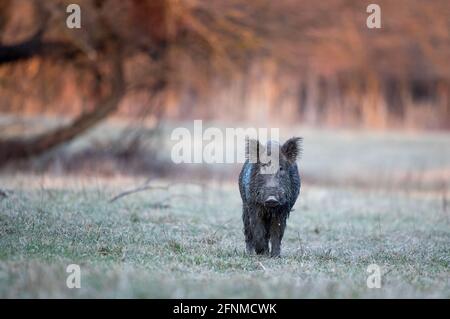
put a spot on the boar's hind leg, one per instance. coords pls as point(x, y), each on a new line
point(278, 224)
point(247, 232)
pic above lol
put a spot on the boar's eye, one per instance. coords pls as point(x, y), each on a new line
point(266, 164)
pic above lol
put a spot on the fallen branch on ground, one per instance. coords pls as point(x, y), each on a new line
point(3, 193)
point(149, 187)
point(136, 190)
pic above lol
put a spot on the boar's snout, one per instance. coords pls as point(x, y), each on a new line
point(271, 201)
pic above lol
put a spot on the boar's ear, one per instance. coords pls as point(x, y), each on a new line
point(252, 150)
point(292, 149)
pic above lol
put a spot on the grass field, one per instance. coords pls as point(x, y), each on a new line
point(186, 241)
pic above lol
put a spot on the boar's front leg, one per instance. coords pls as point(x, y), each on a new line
point(260, 232)
point(247, 231)
point(278, 224)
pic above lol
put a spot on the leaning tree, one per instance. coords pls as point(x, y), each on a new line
point(216, 34)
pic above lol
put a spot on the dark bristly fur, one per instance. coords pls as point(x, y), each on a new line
point(263, 222)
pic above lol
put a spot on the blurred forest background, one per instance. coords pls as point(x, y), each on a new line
point(267, 63)
point(86, 175)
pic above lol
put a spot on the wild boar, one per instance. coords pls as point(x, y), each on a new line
point(269, 189)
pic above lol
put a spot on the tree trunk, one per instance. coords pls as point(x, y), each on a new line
point(13, 149)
